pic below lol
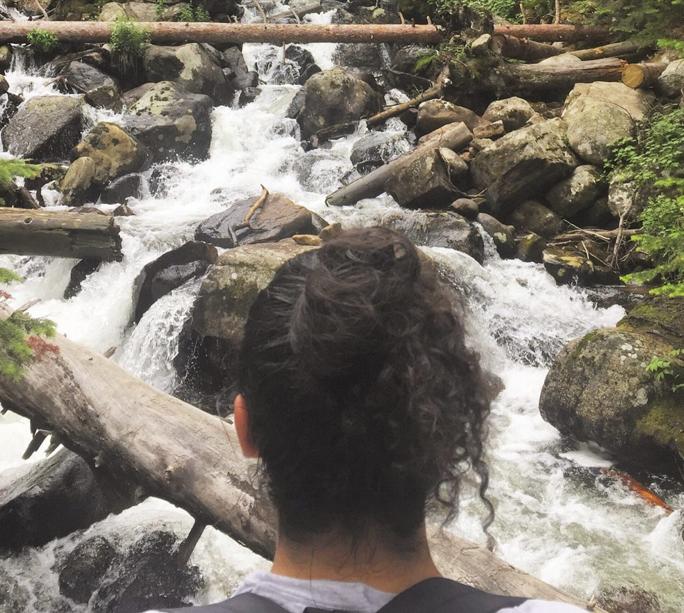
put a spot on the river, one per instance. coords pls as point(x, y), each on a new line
point(555, 518)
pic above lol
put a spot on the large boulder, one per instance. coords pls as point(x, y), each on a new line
point(671, 81)
point(576, 193)
point(277, 218)
point(171, 122)
point(45, 128)
point(235, 68)
point(601, 389)
point(600, 114)
point(99, 88)
point(434, 114)
point(335, 96)
point(209, 344)
point(513, 112)
point(169, 271)
point(522, 164)
point(55, 497)
point(192, 66)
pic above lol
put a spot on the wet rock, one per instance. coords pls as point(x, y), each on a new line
point(530, 247)
point(249, 95)
point(79, 184)
point(11, 103)
point(466, 207)
point(434, 114)
point(171, 122)
point(236, 71)
point(191, 66)
point(576, 193)
point(514, 112)
point(628, 599)
point(148, 577)
point(600, 114)
point(365, 56)
point(439, 229)
point(376, 149)
point(407, 72)
point(53, 498)
point(209, 345)
point(123, 210)
point(424, 183)
point(567, 266)
point(13, 596)
point(45, 128)
point(170, 271)
point(122, 188)
point(335, 96)
point(599, 388)
point(277, 218)
point(303, 60)
point(535, 217)
point(502, 235)
point(100, 89)
point(671, 81)
point(83, 569)
point(114, 151)
point(522, 164)
point(5, 57)
point(79, 273)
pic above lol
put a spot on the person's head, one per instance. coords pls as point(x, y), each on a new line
point(363, 401)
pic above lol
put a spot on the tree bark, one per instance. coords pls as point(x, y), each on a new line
point(642, 75)
point(554, 32)
point(192, 459)
point(621, 49)
point(59, 234)
point(452, 136)
point(523, 48)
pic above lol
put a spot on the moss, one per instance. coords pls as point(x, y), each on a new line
point(582, 343)
point(664, 422)
point(663, 317)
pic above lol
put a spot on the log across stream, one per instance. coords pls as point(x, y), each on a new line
point(552, 521)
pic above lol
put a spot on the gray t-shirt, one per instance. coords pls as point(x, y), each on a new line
point(295, 595)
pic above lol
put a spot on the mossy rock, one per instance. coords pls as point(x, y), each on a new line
point(663, 317)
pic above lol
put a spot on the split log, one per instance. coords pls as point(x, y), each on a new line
point(59, 234)
point(451, 136)
point(523, 48)
point(166, 32)
point(192, 459)
point(554, 32)
point(642, 75)
point(622, 49)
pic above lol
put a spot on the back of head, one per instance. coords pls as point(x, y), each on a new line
point(364, 401)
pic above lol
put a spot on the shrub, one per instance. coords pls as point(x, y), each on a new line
point(193, 13)
point(11, 168)
point(128, 43)
point(42, 41)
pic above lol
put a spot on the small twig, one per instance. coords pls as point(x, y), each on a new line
point(261, 10)
point(42, 9)
point(401, 18)
point(297, 19)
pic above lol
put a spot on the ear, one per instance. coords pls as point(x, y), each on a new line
point(241, 417)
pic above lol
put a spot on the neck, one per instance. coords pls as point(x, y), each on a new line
point(385, 565)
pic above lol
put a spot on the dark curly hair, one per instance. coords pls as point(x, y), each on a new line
point(364, 401)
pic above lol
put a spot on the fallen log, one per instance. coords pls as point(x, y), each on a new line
point(621, 49)
point(59, 234)
point(642, 75)
point(554, 32)
point(452, 136)
point(523, 48)
point(192, 459)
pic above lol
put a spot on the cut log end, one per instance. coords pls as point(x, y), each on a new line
point(641, 75)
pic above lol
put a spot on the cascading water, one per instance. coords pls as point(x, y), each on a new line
point(555, 519)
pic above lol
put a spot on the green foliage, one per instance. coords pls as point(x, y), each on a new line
point(508, 9)
point(128, 43)
point(42, 41)
point(160, 7)
point(11, 168)
point(668, 369)
point(654, 163)
point(8, 276)
point(193, 13)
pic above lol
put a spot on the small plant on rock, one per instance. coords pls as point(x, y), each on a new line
point(11, 168)
point(193, 13)
point(669, 369)
point(128, 43)
point(42, 41)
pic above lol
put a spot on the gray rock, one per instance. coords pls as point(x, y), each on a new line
point(576, 193)
point(671, 81)
point(434, 114)
point(533, 216)
point(53, 498)
point(600, 114)
point(277, 218)
point(236, 71)
point(133, 11)
point(120, 189)
point(79, 273)
point(365, 56)
point(83, 569)
point(335, 96)
point(502, 235)
point(522, 164)
point(171, 122)
point(45, 128)
point(192, 66)
point(376, 149)
point(100, 89)
point(408, 72)
point(5, 57)
point(564, 59)
point(514, 112)
point(79, 184)
point(305, 65)
point(169, 271)
point(530, 247)
point(466, 207)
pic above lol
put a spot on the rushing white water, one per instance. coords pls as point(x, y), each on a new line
point(554, 518)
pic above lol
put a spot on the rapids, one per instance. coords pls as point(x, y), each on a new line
point(555, 518)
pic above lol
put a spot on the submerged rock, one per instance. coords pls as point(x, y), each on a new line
point(120, 189)
point(83, 569)
point(600, 389)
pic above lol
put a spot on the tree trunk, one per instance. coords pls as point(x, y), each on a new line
point(192, 459)
point(523, 48)
point(554, 32)
point(59, 234)
point(642, 75)
point(621, 49)
point(453, 136)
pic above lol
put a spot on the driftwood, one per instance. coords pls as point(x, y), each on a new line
point(642, 75)
point(452, 136)
point(59, 234)
point(192, 459)
point(522, 48)
point(622, 49)
point(555, 32)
